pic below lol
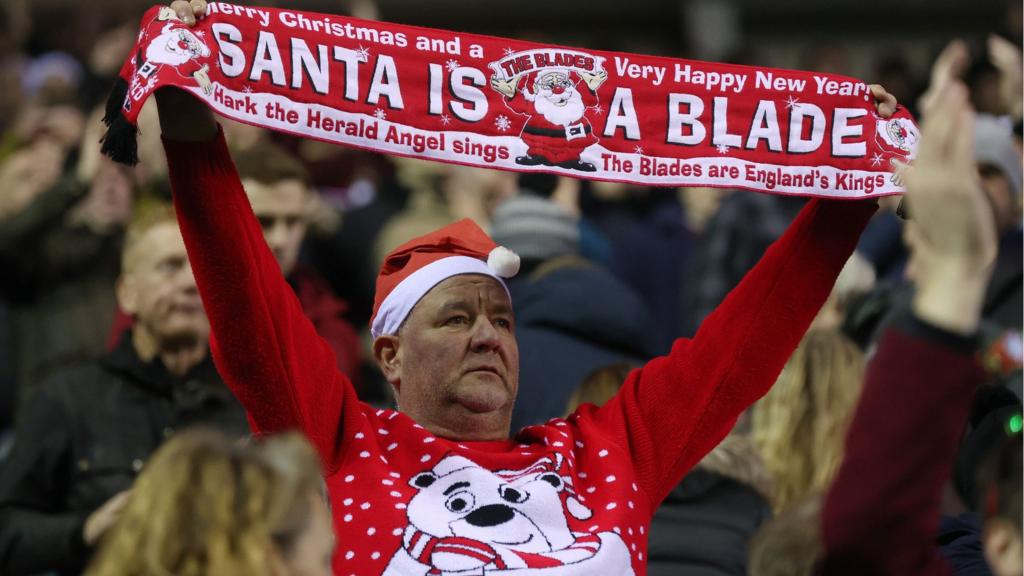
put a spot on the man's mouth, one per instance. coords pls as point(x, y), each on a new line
point(486, 369)
point(188, 308)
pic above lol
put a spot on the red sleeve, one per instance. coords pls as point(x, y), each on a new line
point(675, 409)
point(264, 347)
point(884, 504)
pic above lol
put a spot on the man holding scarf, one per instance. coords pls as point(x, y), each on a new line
point(440, 486)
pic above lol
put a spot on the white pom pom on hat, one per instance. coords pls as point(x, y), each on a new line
point(503, 261)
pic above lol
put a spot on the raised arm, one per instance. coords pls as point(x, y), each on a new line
point(675, 409)
point(885, 503)
point(264, 346)
point(678, 407)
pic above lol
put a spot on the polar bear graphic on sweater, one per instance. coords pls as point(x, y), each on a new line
point(467, 520)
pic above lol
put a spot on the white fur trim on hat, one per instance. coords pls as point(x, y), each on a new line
point(399, 303)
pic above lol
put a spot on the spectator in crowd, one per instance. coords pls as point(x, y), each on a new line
point(999, 163)
point(855, 282)
point(60, 239)
point(440, 194)
point(426, 208)
point(444, 338)
point(790, 544)
point(799, 426)
point(997, 157)
point(85, 434)
point(561, 336)
point(703, 526)
point(206, 504)
point(278, 189)
point(734, 240)
point(882, 512)
point(599, 386)
point(647, 245)
point(960, 533)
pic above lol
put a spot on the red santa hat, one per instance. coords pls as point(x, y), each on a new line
point(412, 269)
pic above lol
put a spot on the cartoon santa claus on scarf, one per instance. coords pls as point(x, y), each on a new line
point(178, 47)
point(557, 129)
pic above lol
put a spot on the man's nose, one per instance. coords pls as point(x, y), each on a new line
point(485, 335)
point(277, 235)
point(557, 89)
point(188, 279)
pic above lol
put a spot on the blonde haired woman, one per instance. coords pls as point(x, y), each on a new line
point(205, 505)
point(800, 425)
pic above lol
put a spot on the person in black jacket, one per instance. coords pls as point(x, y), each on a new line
point(87, 432)
point(705, 524)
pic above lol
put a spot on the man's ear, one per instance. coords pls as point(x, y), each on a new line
point(385, 351)
point(1002, 545)
point(127, 294)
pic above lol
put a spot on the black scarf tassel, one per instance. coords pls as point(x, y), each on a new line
point(120, 142)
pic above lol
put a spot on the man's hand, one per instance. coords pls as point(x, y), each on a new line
point(108, 204)
point(952, 237)
point(103, 518)
point(28, 173)
point(1006, 57)
point(506, 87)
point(595, 79)
point(189, 10)
point(182, 116)
point(885, 103)
point(950, 64)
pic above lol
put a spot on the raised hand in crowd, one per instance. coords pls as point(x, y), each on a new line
point(1006, 57)
point(28, 173)
point(946, 69)
point(104, 518)
point(882, 512)
point(107, 204)
point(952, 232)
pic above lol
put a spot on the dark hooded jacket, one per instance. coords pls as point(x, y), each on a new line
point(704, 525)
point(572, 317)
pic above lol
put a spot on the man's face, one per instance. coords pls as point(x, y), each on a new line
point(158, 289)
point(455, 362)
point(283, 211)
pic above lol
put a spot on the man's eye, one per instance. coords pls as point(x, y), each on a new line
point(456, 321)
point(503, 323)
point(168, 266)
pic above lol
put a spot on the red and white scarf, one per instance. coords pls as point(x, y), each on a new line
point(426, 549)
point(515, 105)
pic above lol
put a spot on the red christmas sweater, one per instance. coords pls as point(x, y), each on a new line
point(571, 497)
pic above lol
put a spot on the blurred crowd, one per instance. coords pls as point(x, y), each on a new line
point(103, 339)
